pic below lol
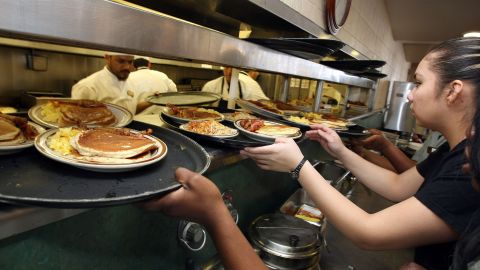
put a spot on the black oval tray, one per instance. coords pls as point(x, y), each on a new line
point(30, 178)
point(297, 48)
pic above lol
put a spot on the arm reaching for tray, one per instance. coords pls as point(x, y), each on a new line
point(233, 247)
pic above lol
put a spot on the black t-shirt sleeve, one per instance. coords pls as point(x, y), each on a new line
point(454, 202)
point(447, 190)
point(425, 167)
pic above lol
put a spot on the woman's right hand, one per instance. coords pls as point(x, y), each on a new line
point(328, 138)
point(376, 142)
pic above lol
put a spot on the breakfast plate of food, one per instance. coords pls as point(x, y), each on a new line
point(268, 108)
point(210, 128)
point(17, 133)
point(310, 118)
point(238, 141)
point(84, 113)
point(266, 131)
point(101, 149)
point(237, 115)
point(186, 114)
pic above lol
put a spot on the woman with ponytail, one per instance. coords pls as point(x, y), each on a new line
point(435, 199)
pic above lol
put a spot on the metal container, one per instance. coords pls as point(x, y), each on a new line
point(285, 242)
point(399, 116)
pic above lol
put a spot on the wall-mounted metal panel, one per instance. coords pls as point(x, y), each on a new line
point(110, 26)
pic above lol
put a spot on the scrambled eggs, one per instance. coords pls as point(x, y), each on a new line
point(60, 141)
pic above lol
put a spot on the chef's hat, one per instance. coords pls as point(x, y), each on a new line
point(117, 53)
point(141, 56)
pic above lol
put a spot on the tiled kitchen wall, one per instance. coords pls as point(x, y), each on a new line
point(367, 30)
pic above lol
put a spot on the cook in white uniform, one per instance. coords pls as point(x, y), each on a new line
point(109, 84)
point(147, 82)
point(248, 88)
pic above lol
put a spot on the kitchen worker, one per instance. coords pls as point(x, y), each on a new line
point(147, 82)
point(392, 157)
point(109, 84)
point(435, 199)
point(247, 89)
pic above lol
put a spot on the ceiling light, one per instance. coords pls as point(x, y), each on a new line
point(355, 53)
point(472, 34)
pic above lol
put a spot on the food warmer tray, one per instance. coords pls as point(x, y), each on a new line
point(332, 44)
point(354, 65)
point(32, 179)
point(240, 141)
point(305, 50)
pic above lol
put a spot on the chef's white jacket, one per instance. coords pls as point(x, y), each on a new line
point(147, 82)
point(104, 86)
point(249, 89)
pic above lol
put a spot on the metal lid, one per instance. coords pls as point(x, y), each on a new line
point(285, 236)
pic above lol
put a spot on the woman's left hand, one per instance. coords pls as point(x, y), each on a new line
point(282, 156)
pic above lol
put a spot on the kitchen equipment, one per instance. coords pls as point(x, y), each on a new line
point(340, 178)
point(399, 115)
point(29, 178)
point(193, 236)
point(298, 199)
point(29, 99)
point(286, 242)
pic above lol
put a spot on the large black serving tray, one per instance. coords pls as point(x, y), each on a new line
point(332, 44)
point(354, 65)
point(354, 131)
point(30, 178)
point(306, 50)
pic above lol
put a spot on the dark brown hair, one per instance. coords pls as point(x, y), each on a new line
point(457, 59)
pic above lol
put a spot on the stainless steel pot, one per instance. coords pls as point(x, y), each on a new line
point(286, 242)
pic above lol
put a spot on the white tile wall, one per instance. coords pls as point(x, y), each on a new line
point(367, 30)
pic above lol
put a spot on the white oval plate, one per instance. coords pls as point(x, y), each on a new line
point(182, 127)
point(166, 111)
point(183, 98)
point(123, 116)
point(263, 137)
point(229, 116)
point(10, 149)
point(348, 124)
point(42, 147)
point(247, 105)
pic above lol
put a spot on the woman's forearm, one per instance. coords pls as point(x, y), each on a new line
point(378, 160)
point(398, 159)
point(384, 182)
